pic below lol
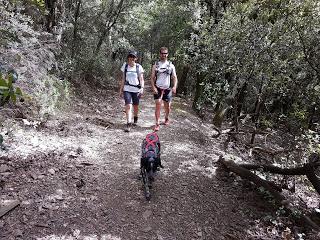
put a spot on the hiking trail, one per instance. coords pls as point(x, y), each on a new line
point(76, 176)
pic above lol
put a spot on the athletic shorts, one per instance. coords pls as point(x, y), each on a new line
point(131, 98)
point(164, 94)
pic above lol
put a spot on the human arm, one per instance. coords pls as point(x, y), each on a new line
point(153, 79)
point(174, 80)
point(122, 78)
point(141, 84)
point(121, 85)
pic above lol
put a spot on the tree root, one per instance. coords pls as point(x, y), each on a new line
point(244, 172)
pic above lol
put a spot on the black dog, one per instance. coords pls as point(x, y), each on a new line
point(150, 154)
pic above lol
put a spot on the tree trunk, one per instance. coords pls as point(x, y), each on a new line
point(114, 15)
point(102, 38)
point(75, 29)
point(199, 90)
point(182, 89)
point(312, 111)
point(238, 104)
point(307, 169)
point(256, 114)
point(51, 17)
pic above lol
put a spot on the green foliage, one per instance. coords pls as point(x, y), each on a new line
point(7, 90)
point(313, 140)
point(266, 123)
point(40, 4)
point(268, 45)
point(298, 113)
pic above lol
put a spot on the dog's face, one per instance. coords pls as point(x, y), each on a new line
point(150, 154)
point(150, 161)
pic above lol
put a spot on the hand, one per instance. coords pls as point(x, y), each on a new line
point(174, 90)
point(140, 91)
point(155, 90)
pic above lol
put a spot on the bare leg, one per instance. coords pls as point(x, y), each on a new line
point(135, 110)
point(128, 112)
point(157, 112)
point(167, 109)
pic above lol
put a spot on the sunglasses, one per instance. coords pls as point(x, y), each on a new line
point(163, 53)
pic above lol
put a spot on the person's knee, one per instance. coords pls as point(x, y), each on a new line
point(167, 104)
point(136, 107)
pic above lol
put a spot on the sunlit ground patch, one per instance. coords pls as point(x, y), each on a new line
point(193, 165)
point(178, 148)
point(233, 158)
point(77, 235)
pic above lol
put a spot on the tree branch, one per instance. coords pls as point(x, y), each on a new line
point(245, 173)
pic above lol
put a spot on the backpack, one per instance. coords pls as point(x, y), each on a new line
point(138, 74)
point(150, 149)
point(168, 71)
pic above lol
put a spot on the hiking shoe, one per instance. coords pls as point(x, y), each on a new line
point(156, 127)
point(128, 128)
point(135, 121)
point(166, 121)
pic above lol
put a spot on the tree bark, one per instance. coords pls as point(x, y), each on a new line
point(199, 90)
point(75, 29)
point(312, 111)
point(245, 173)
point(51, 17)
point(307, 169)
point(238, 104)
point(182, 89)
point(256, 114)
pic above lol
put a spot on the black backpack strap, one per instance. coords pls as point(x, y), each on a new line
point(170, 68)
point(125, 73)
point(138, 72)
point(156, 71)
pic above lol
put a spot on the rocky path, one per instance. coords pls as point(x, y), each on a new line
point(76, 178)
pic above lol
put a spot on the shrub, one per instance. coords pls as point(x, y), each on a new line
point(7, 90)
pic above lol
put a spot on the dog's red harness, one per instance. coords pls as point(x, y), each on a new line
point(151, 139)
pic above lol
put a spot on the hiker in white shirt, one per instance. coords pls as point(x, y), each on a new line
point(164, 83)
point(131, 87)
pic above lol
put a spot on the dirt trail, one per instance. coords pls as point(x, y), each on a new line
point(76, 178)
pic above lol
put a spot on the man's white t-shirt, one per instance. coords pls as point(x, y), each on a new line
point(163, 76)
point(132, 77)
